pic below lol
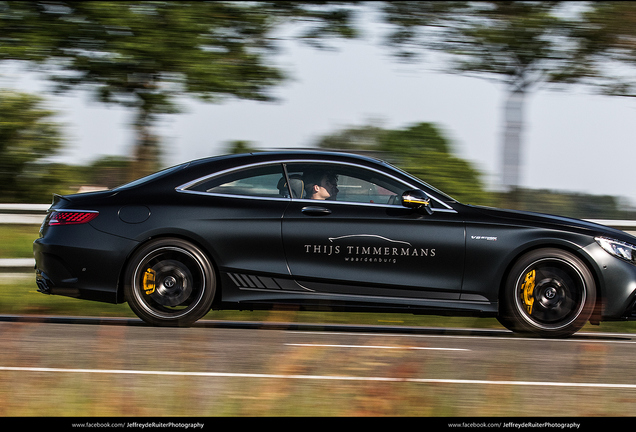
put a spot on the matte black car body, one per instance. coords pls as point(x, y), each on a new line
point(189, 239)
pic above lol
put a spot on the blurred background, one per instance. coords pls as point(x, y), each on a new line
point(526, 105)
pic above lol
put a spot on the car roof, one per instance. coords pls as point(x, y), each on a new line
point(291, 154)
point(219, 163)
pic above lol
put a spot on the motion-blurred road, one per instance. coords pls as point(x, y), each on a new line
point(124, 368)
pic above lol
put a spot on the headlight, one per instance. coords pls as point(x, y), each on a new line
point(619, 249)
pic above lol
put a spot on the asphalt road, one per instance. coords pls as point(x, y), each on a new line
point(113, 367)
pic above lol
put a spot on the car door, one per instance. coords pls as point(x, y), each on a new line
point(364, 242)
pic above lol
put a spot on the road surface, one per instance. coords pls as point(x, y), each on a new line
point(88, 367)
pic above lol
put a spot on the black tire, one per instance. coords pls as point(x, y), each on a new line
point(169, 282)
point(548, 293)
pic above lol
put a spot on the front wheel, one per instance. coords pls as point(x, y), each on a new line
point(548, 293)
point(169, 282)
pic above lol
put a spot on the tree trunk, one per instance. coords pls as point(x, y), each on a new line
point(511, 152)
point(145, 156)
point(146, 153)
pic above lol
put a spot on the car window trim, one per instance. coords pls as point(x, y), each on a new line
point(184, 187)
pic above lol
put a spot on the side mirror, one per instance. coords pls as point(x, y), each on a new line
point(417, 199)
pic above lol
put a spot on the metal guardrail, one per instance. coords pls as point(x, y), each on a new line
point(21, 214)
point(16, 264)
point(33, 214)
point(625, 225)
point(24, 208)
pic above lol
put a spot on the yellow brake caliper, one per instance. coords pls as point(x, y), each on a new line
point(149, 281)
point(528, 291)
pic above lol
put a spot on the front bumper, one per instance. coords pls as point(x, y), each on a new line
point(630, 313)
point(616, 280)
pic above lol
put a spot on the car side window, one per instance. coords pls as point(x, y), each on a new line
point(261, 181)
point(343, 183)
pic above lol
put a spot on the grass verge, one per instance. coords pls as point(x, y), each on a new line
point(17, 240)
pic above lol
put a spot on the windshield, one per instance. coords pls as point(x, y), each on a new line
point(444, 195)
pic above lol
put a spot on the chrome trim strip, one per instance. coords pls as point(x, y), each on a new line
point(308, 201)
point(284, 162)
point(70, 210)
point(220, 173)
point(221, 195)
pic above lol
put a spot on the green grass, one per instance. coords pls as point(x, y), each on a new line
point(16, 241)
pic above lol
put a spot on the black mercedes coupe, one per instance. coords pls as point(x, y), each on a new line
point(319, 230)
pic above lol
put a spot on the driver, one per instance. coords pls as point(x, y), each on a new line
point(321, 185)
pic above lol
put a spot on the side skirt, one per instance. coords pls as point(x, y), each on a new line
point(250, 292)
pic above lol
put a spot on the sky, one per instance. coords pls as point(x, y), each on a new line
point(573, 140)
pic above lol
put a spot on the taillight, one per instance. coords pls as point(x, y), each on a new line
point(71, 217)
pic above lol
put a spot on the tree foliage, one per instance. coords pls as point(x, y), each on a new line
point(521, 43)
point(608, 35)
point(577, 205)
point(240, 146)
point(28, 133)
point(143, 55)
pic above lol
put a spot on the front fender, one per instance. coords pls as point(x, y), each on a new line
point(491, 251)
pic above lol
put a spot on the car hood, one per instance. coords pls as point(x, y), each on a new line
point(551, 221)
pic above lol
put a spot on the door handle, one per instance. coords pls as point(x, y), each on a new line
point(316, 211)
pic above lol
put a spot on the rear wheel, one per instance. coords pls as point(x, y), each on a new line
point(549, 293)
point(170, 282)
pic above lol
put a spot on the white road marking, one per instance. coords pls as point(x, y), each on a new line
point(525, 383)
point(320, 377)
point(602, 337)
point(376, 347)
point(199, 374)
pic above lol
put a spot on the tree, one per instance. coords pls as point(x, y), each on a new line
point(576, 205)
point(27, 135)
point(521, 44)
point(240, 146)
point(608, 36)
point(143, 55)
point(422, 150)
